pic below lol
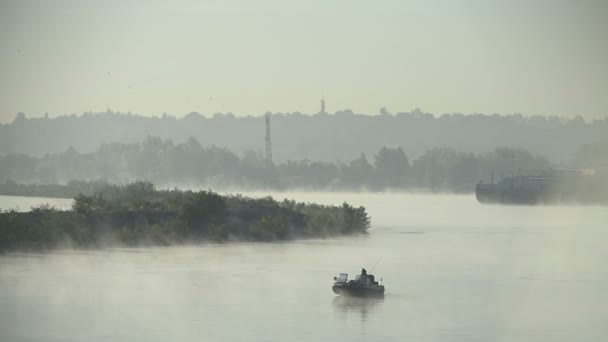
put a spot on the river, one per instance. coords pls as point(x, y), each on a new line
point(454, 270)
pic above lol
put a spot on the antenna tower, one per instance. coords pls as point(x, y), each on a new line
point(268, 141)
point(323, 105)
point(513, 159)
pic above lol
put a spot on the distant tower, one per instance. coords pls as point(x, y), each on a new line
point(268, 142)
point(322, 105)
point(513, 159)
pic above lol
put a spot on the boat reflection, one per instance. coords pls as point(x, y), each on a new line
point(347, 306)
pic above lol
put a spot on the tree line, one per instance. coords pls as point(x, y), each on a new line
point(191, 164)
point(342, 135)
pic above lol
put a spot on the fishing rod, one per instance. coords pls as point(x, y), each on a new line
point(375, 265)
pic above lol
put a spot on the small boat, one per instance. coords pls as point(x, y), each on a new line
point(364, 285)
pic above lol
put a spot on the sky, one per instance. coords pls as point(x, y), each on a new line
point(248, 57)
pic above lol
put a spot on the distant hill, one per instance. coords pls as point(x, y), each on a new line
point(327, 137)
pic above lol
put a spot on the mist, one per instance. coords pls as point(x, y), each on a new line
point(202, 170)
point(453, 268)
point(242, 57)
point(404, 152)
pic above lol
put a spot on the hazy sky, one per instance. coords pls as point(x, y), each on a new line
point(247, 57)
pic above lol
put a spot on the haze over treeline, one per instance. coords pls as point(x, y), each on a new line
point(167, 163)
point(320, 137)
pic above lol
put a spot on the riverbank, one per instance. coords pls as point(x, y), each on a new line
point(139, 214)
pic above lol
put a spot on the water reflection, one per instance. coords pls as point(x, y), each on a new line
point(347, 306)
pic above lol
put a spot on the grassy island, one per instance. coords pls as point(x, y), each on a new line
point(139, 214)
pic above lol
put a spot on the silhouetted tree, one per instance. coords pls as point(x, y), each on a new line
point(392, 167)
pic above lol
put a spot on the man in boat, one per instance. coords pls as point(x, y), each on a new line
point(363, 278)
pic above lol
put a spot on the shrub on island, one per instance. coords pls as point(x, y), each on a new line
point(139, 214)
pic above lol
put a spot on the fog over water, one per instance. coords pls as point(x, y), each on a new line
point(22, 204)
point(454, 270)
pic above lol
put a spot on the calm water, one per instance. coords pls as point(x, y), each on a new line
point(454, 271)
point(26, 203)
